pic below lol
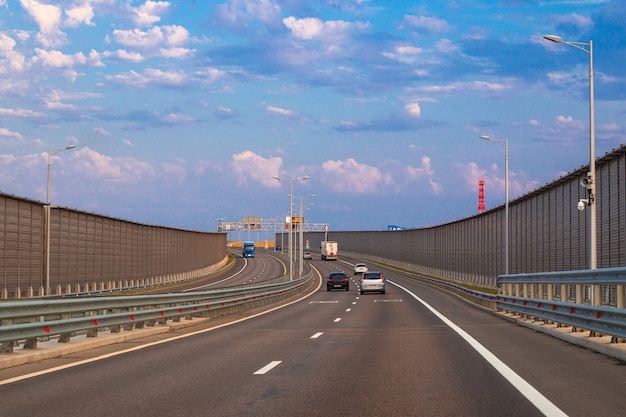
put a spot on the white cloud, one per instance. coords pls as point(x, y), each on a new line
point(314, 28)
point(428, 24)
point(92, 164)
point(250, 167)
point(48, 18)
point(151, 76)
point(20, 113)
point(469, 86)
point(15, 59)
point(4, 132)
point(150, 12)
point(352, 177)
point(60, 60)
point(425, 171)
point(569, 122)
point(78, 15)
point(241, 12)
point(413, 109)
point(289, 114)
point(165, 41)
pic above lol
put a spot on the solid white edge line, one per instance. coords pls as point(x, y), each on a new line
point(267, 368)
point(531, 393)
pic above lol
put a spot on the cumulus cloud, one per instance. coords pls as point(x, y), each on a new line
point(314, 28)
point(92, 164)
point(164, 41)
point(252, 168)
point(78, 15)
point(413, 109)
point(351, 177)
point(15, 59)
point(151, 76)
point(59, 59)
point(48, 18)
point(424, 172)
point(149, 13)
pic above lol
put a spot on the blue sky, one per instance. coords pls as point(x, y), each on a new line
point(182, 111)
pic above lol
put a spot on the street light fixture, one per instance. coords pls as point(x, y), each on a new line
point(590, 181)
point(48, 213)
point(504, 142)
point(291, 181)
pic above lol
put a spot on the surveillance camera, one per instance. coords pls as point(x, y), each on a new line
point(581, 205)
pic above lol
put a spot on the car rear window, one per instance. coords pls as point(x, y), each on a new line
point(371, 276)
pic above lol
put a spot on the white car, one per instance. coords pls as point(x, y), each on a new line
point(372, 281)
point(360, 268)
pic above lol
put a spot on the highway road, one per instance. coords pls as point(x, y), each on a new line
point(414, 351)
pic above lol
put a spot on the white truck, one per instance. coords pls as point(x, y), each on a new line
point(328, 250)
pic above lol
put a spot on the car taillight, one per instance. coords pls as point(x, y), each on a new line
point(345, 279)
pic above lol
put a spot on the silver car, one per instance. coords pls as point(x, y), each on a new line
point(372, 281)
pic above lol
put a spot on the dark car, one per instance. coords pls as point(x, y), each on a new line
point(338, 281)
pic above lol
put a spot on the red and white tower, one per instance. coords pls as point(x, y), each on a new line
point(481, 196)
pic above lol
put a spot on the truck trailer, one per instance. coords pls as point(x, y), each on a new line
point(329, 250)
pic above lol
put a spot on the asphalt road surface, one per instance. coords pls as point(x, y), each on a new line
point(414, 351)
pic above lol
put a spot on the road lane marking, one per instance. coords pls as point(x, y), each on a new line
point(531, 393)
point(323, 302)
point(267, 368)
point(159, 342)
point(337, 320)
point(316, 335)
point(348, 310)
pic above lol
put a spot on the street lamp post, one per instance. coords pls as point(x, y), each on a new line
point(300, 233)
point(48, 213)
point(504, 142)
point(591, 176)
point(291, 181)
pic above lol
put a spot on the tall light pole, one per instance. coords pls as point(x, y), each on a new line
point(291, 181)
point(301, 251)
point(591, 176)
point(48, 213)
point(504, 142)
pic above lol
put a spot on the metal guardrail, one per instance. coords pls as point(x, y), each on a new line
point(547, 296)
point(33, 320)
point(533, 295)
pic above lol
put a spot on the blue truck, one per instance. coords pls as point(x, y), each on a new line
point(248, 249)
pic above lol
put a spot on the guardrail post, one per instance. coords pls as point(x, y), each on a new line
point(550, 292)
point(579, 294)
point(620, 295)
point(597, 295)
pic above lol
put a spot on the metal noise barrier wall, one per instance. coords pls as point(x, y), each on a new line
point(547, 233)
point(92, 252)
